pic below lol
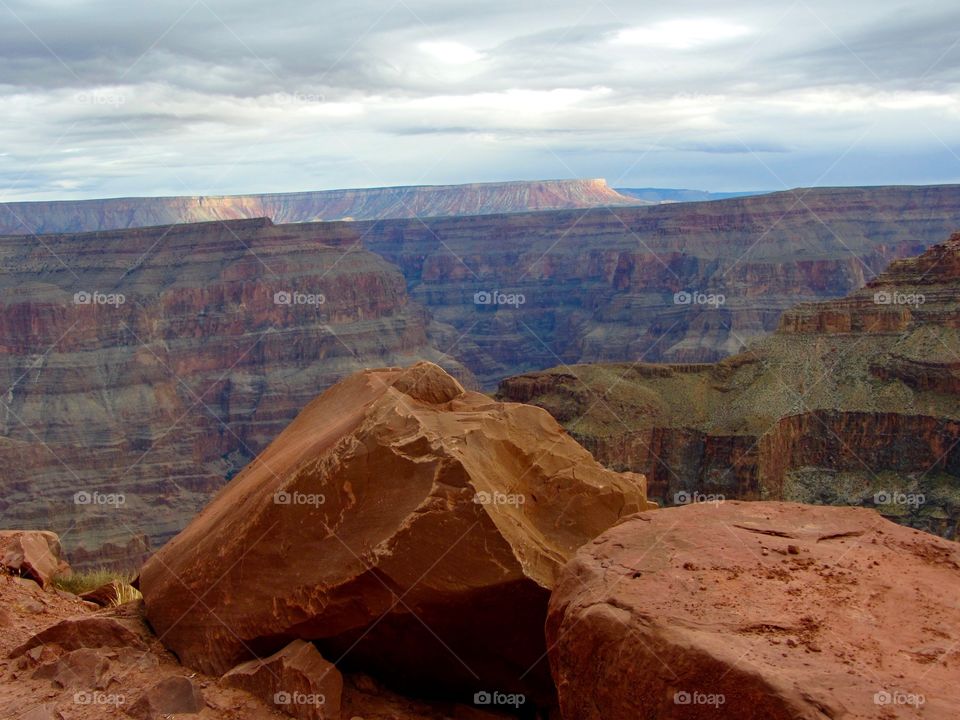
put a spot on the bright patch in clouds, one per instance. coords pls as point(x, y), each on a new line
point(866, 101)
point(682, 34)
point(450, 52)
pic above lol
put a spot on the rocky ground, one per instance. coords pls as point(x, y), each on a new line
point(747, 611)
point(761, 611)
point(117, 668)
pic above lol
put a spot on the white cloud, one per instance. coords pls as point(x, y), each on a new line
point(340, 94)
point(450, 52)
point(682, 34)
point(863, 101)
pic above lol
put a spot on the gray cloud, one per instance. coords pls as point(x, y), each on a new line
point(104, 98)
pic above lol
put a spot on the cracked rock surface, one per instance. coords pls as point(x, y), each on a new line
point(758, 610)
point(409, 528)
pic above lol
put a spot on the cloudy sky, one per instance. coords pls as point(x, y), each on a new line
point(108, 97)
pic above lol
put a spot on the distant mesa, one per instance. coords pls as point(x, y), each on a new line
point(323, 205)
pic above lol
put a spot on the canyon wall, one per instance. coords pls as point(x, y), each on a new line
point(693, 282)
point(852, 401)
point(141, 369)
point(522, 291)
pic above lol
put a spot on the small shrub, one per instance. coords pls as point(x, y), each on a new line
point(82, 581)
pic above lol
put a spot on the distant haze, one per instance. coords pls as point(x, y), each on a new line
point(105, 98)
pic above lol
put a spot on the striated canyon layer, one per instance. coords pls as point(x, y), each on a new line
point(409, 528)
point(852, 401)
point(141, 369)
point(359, 204)
point(691, 282)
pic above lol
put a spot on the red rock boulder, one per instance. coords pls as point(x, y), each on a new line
point(296, 680)
point(409, 528)
point(170, 697)
point(758, 611)
point(32, 553)
point(90, 631)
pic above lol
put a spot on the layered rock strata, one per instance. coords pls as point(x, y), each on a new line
point(853, 401)
point(141, 369)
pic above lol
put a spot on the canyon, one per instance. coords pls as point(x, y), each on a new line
point(141, 369)
point(163, 398)
point(691, 282)
point(851, 401)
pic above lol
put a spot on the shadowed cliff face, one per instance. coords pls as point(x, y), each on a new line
point(851, 401)
point(141, 369)
point(360, 204)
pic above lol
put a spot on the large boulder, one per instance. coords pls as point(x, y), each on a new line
point(411, 529)
point(770, 611)
point(32, 553)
